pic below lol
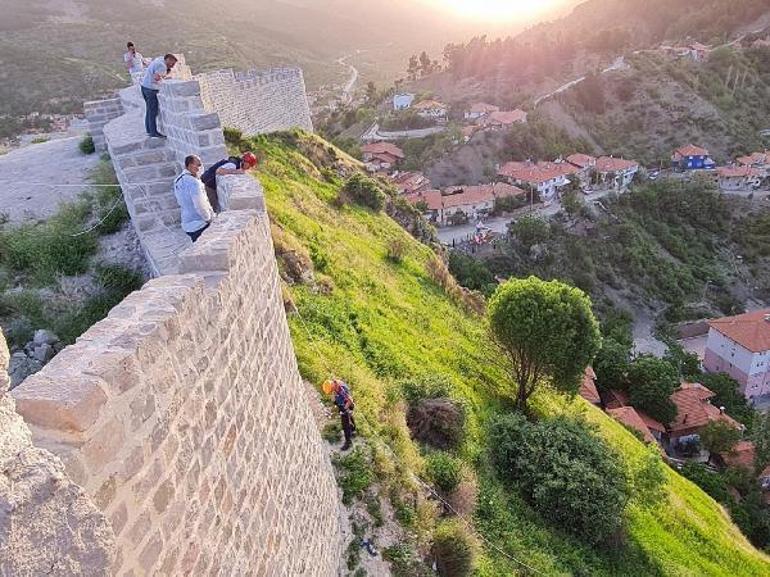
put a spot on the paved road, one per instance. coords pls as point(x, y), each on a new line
point(374, 133)
point(618, 64)
point(464, 232)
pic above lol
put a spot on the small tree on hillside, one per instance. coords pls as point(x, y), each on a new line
point(544, 330)
point(719, 437)
point(651, 382)
point(611, 365)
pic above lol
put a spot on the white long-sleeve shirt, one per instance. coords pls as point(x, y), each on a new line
point(191, 196)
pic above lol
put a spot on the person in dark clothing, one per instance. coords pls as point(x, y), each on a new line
point(232, 165)
point(343, 400)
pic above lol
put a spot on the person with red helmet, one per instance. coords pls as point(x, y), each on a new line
point(232, 165)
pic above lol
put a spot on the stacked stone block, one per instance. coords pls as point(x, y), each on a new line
point(258, 101)
point(189, 128)
point(182, 415)
point(98, 114)
point(48, 525)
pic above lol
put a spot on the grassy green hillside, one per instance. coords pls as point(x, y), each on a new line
point(376, 322)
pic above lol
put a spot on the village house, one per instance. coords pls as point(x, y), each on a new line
point(480, 110)
point(503, 119)
point(470, 202)
point(744, 456)
point(691, 157)
point(585, 165)
point(402, 101)
point(381, 156)
point(757, 160)
point(740, 347)
point(431, 109)
point(739, 178)
point(429, 201)
point(544, 178)
point(410, 182)
point(617, 173)
point(617, 399)
point(693, 412)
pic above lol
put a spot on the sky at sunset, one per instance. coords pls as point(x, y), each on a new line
point(499, 11)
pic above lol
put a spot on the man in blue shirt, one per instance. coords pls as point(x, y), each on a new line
point(155, 73)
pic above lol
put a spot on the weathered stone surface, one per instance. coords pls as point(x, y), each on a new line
point(44, 337)
point(48, 525)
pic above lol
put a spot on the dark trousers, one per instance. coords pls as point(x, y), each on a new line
point(348, 425)
point(194, 235)
point(213, 198)
point(151, 114)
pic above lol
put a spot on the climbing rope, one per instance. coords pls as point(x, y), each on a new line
point(415, 478)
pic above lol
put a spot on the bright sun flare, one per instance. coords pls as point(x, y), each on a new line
point(498, 10)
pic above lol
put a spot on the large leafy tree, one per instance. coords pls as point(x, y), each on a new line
point(545, 330)
point(719, 437)
point(651, 382)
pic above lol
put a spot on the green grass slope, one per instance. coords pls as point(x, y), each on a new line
point(378, 322)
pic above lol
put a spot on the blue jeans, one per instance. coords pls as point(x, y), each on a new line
point(151, 115)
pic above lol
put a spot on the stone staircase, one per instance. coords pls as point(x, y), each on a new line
point(146, 168)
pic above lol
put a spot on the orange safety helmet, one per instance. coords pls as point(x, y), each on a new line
point(250, 158)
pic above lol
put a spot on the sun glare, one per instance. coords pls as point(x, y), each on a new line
point(499, 10)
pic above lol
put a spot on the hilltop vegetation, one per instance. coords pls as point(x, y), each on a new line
point(659, 104)
point(393, 325)
point(677, 247)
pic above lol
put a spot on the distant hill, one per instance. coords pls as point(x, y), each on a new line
point(54, 54)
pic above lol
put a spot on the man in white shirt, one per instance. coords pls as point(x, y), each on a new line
point(197, 213)
point(135, 62)
point(156, 72)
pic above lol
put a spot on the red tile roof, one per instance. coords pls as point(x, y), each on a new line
point(382, 148)
point(617, 398)
point(694, 410)
point(651, 423)
point(410, 182)
point(432, 198)
point(483, 108)
point(430, 105)
point(691, 150)
point(535, 173)
point(505, 117)
point(629, 417)
point(470, 195)
point(750, 330)
point(610, 164)
point(754, 158)
point(581, 160)
point(385, 157)
point(588, 387)
point(738, 172)
point(741, 455)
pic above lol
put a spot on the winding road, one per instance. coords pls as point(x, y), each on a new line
point(619, 64)
point(347, 90)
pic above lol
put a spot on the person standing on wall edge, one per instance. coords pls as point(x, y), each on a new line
point(197, 213)
point(232, 165)
point(156, 72)
point(343, 400)
point(135, 63)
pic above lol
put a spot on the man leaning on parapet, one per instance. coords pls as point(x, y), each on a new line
point(191, 196)
point(156, 72)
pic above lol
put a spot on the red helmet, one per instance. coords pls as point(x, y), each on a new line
point(250, 158)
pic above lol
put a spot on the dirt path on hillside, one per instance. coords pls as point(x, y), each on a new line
point(36, 179)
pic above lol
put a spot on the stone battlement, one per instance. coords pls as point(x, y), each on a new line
point(174, 437)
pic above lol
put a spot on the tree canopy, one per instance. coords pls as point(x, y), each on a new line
point(545, 330)
point(651, 382)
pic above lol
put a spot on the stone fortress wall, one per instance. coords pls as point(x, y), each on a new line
point(187, 443)
point(257, 101)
